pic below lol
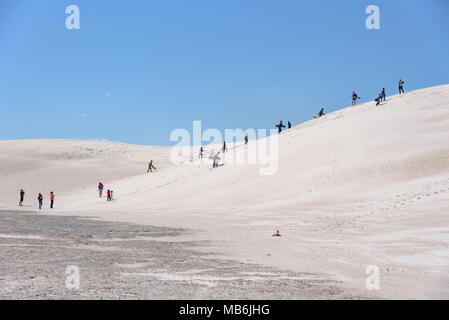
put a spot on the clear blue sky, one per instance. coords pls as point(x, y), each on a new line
point(136, 70)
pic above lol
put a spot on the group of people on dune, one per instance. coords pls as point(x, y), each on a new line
point(109, 193)
point(382, 96)
point(40, 199)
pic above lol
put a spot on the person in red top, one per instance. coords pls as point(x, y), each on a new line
point(52, 199)
point(109, 195)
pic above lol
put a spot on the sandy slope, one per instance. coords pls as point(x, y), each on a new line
point(361, 186)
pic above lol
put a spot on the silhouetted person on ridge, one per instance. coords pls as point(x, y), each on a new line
point(401, 86)
point(280, 126)
point(354, 98)
point(319, 114)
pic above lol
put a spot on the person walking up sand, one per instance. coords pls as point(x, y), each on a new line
point(100, 189)
point(401, 86)
point(224, 149)
point(354, 98)
point(280, 126)
point(246, 139)
point(384, 95)
point(40, 198)
point(150, 166)
point(52, 199)
point(319, 114)
point(378, 99)
point(216, 158)
point(22, 196)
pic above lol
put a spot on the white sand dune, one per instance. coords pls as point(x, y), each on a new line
point(361, 186)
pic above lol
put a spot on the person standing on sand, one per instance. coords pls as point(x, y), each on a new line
point(401, 86)
point(201, 153)
point(354, 98)
point(52, 199)
point(224, 149)
point(289, 125)
point(112, 195)
point(40, 198)
point(100, 189)
point(150, 166)
point(384, 95)
point(280, 126)
point(246, 139)
point(22, 196)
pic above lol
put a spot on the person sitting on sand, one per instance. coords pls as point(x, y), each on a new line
point(277, 234)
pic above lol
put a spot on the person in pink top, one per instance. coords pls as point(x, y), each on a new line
point(100, 189)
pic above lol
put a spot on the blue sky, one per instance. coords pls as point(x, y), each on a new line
point(136, 70)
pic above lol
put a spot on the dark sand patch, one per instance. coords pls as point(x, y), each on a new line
point(35, 251)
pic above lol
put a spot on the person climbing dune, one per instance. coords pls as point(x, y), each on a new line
point(319, 114)
point(150, 166)
point(215, 159)
point(224, 149)
point(378, 99)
